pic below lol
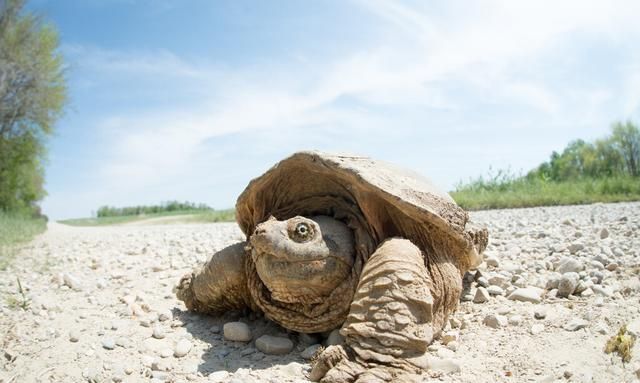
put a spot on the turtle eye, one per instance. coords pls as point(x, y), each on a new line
point(302, 232)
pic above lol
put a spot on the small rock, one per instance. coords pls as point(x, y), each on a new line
point(515, 320)
point(568, 283)
point(74, 336)
point(482, 295)
point(237, 331)
point(568, 265)
point(492, 262)
point(108, 343)
point(495, 290)
point(449, 336)
point(72, 282)
point(527, 294)
point(274, 345)
point(446, 366)
point(602, 290)
point(218, 376)
point(335, 338)
point(604, 233)
point(537, 328)
point(575, 247)
point(165, 316)
point(612, 266)
point(158, 332)
point(309, 352)
point(182, 348)
point(540, 313)
point(166, 352)
point(482, 281)
point(576, 324)
point(214, 330)
point(495, 321)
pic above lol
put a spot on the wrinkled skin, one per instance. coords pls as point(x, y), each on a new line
point(299, 272)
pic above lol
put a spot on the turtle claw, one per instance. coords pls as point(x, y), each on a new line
point(335, 365)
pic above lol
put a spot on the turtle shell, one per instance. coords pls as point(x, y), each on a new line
point(377, 199)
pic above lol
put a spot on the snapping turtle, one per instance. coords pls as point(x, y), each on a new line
point(336, 240)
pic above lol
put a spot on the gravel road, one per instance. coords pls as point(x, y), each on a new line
point(98, 306)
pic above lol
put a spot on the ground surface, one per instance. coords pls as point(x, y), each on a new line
point(96, 295)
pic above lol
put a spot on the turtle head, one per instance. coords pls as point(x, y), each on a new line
point(302, 259)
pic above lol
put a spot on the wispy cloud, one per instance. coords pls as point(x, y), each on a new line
point(446, 75)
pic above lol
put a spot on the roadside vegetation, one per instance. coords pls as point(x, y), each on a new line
point(606, 170)
point(171, 212)
point(14, 230)
point(32, 97)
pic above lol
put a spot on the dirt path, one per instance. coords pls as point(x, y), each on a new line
point(101, 307)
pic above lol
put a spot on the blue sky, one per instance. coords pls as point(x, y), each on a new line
point(189, 100)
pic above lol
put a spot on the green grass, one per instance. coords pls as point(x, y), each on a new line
point(14, 230)
point(504, 191)
point(190, 216)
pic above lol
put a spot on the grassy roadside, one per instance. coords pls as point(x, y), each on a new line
point(14, 230)
point(182, 216)
point(525, 192)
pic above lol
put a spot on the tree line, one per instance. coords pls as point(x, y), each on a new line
point(616, 155)
point(169, 206)
point(32, 95)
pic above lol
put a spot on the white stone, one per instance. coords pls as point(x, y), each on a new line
point(527, 294)
point(537, 328)
point(182, 348)
point(575, 324)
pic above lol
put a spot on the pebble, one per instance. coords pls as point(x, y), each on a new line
point(108, 343)
point(237, 331)
point(310, 351)
point(218, 376)
point(158, 332)
point(540, 313)
point(482, 295)
point(335, 338)
point(495, 321)
point(74, 336)
point(568, 265)
point(568, 283)
point(274, 345)
point(495, 290)
point(182, 348)
point(492, 262)
point(575, 324)
point(446, 366)
point(527, 294)
point(72, 282)
point(537, 328)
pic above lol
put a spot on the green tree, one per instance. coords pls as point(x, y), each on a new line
point(626, 140)
point(32, 96)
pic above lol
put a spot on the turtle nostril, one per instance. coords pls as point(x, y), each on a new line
point(259, 230)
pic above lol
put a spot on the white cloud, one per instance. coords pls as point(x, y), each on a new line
point(451, 58)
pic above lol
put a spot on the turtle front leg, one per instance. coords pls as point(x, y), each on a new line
point(400, 305)
point(219, 285)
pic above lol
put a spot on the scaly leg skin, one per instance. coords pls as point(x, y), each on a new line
point(396, 312)
point(219, 285)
